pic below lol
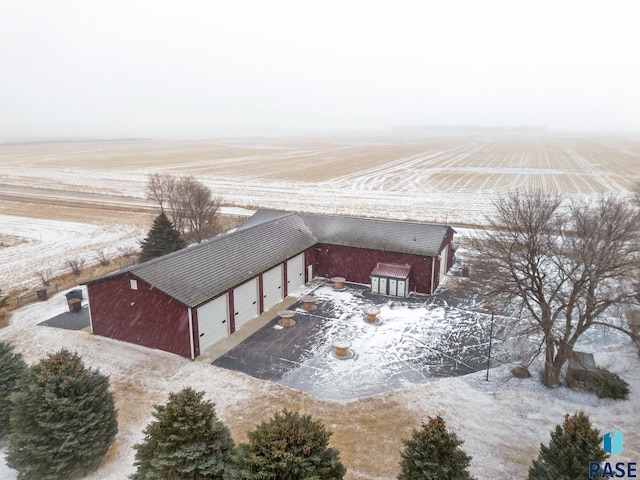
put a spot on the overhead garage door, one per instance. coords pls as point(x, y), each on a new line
point(245, 302)
point(272, 287)
point(213, 322)
point(295, 273)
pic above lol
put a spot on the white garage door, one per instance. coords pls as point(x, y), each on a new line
point(295, 273)
point(272, 287)
point(213, 322)
point(245, 302)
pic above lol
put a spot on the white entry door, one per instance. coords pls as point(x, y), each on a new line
point(245, 302)
point(213, 322)
point(444, 258)
point(393, 287)
point(295, 273)
point(309, 272)
point(272, 287)
point(382, 286)
point(374, 284)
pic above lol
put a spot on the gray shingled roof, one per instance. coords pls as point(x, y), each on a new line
point(386, 235)
point(196, 274)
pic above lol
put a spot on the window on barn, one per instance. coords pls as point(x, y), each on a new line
point(134, 284)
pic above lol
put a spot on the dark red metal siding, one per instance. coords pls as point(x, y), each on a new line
point(144, 316)
point(356, 264)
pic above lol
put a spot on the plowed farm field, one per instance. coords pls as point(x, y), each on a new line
point(440, 179)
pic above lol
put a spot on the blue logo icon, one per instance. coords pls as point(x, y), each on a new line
point(613, 442)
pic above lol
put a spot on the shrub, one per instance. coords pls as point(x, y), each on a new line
point(63, 419)
point(104, 257)
point(75, 264)
point(434, 453)
point(607, 384)
point(186, 440)
point(573, 445)
point(290, 446)
point(45, 277)
point(12, 368)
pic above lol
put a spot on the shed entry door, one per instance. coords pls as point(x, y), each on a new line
point(213, 324)
point(393, 286)
point(295, 273)
point(382, 285)
point(402, 288)
point(272, 287)
point(245, 302)
point(374, 284)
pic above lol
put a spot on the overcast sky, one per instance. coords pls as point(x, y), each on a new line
point(203, 68)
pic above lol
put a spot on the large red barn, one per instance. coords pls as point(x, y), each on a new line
point(188, 300)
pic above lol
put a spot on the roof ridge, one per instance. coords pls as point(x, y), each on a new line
point(198, 246)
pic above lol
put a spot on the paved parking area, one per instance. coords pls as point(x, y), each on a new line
point(70, 320)
point(416, 339)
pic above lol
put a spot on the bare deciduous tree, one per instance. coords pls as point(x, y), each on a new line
point(563, 268)
point(636, 194)
point(159, 188)
point(192, 207)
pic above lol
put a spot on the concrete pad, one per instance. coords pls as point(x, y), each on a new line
point(70, 320)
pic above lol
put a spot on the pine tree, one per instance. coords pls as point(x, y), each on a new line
point(434, 453)
point(573, 445)
point(12, 368)
point(63, 420)
point(288, 447)
point(163, 238)
point(186, 441)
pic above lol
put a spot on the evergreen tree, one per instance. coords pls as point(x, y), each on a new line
point(12, 368)
point(186, 441)
point(163, 238)
point(434, 453)
point(288, 447)
point(63, 420)
point(573, 445)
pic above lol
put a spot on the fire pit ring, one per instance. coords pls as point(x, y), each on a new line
point(341, 349)
point(286, 318)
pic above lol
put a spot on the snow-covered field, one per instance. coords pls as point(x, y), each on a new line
point(443, 179)
point(61, 200)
